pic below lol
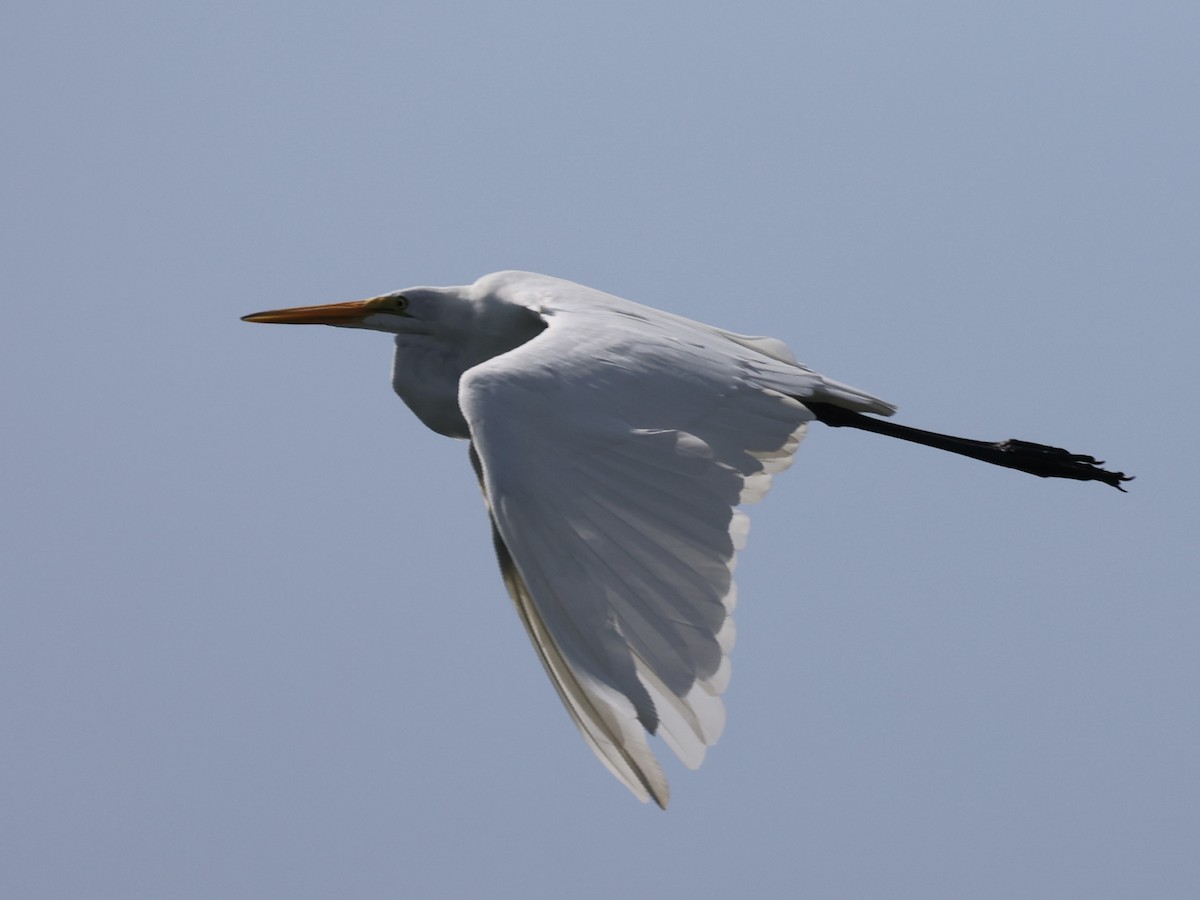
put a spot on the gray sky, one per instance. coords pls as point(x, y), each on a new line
point(253, 642)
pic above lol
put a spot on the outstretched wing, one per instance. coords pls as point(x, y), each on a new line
point(612, 451)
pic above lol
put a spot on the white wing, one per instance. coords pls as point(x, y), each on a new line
point(612, 450)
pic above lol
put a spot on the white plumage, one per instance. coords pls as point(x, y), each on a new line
point(613, 443)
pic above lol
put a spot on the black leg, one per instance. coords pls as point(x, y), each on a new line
point(1036, 459)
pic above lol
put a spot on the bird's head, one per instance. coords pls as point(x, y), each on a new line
point(479, 321)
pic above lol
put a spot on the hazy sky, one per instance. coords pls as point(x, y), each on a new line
point(253, 642)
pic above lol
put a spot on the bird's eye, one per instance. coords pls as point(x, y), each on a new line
point(400, 302)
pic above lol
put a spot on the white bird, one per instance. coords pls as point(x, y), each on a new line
point(613, 443)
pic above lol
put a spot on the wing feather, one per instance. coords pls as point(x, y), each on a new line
point(612, 455)
point(601, 717)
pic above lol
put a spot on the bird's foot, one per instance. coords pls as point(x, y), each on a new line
point(1055, 462)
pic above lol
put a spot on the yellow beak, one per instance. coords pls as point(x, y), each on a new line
point(328, 314)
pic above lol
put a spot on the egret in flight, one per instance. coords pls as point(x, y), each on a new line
point(613, 444)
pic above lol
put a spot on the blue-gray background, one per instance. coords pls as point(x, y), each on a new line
point(253, 643)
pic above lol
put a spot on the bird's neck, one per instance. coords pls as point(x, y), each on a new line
point(426, 375)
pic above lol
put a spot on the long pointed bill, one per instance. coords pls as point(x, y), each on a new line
point(329, 314)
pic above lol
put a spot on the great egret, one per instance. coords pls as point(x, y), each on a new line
point(613, 443)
